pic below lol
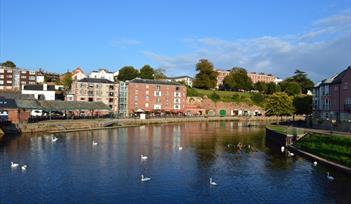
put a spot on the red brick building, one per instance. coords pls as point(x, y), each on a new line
point(332, 97)
point(149, 96)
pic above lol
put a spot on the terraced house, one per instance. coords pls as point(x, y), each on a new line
point(95, 90)
point(332, 97)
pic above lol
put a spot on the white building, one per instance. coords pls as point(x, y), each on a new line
point(40, 91)
point(103, 74)
point(187, 80)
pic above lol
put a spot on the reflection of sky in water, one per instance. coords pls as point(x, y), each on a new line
point(73, 170)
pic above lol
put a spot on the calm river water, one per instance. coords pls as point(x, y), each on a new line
point(72, 170)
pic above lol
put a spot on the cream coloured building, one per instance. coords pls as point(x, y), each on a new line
point(94, 90)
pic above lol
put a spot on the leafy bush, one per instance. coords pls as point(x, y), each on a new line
point(257, 98)
point(214, 96)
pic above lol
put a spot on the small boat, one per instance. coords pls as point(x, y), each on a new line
point(95, 143)
point(143, 157)
point(24, 167)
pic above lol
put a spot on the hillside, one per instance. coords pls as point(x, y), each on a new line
point(229, 96)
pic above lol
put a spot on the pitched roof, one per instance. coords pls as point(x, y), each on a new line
point(152, 81)
point(335, 79)
point(96, 80)
point(16, 95)
point(6, 103)
point(179, 77)
point(73, 105)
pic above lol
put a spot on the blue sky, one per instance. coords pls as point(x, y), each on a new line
point(265, 36)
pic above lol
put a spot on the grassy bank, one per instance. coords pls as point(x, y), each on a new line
point(229, 96)
point(335, 148)
point(280, 129)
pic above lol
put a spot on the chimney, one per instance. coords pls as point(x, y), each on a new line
point(45, 87)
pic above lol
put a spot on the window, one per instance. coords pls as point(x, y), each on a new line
point(147, 92)
point(135, 98)
point(176, 94)
point(147, 86)
point(111, 94)
point(176, 100)
point(1, 76)
point(146, 105)
point(23, 77)
point(146, 98)
point(346, 84)
point(32, 78)
point(157, 107)
point(1, 82)
point(82, 99)
point(112, 87)
point(157, 100)
point(157, 93)
point(176, 107)
point(110, 100)
point(158, 88)
point(177, 88)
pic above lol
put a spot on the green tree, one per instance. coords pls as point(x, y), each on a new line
point(257, 98)
point(272, 88)
point(260, 86)
point(207, 77)
point(301, 78)
point(279, 104)
point(303, 104)
point(127, 73)
point(237, 79)
point(67, 80)
point(160, 73)
point(147, 72)
point(292, 88)
point(8, 63)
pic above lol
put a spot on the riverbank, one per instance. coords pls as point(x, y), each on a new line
point(332, 150)
point(333, 147)
point(93, 124)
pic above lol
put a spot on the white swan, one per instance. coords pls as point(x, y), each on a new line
point(24, 167)
point(14, 165)
point(54, 139)
point(212, 182)
point(143, 179)
point(329, 177)
point(291, 154)
point(143, 157)
point(180, 148)
point(315, 163)
point(94, 143)
point(282, 149)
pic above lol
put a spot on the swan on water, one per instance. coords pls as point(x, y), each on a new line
point(143, 157)
point(329, 177)
point(212, 182)
point(291, 154)
point(14, 165)
point(54, 139)
point(24, 167)
point(315, 163)
point(95, 143)
point(282, 149)
point(144, 178)
point(180, 148)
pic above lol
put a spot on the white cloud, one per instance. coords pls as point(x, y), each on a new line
point(321, 51)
